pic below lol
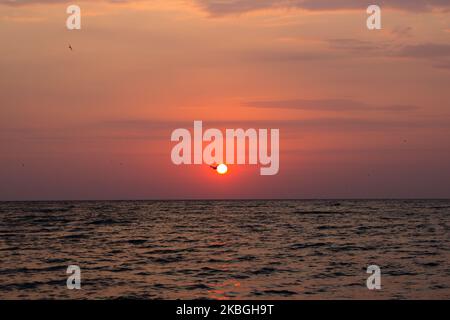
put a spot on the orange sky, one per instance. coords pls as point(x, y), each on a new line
point(362, 114)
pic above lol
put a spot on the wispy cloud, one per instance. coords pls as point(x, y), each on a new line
point(402, 31)
point(319, 123)
point(31, 2)
point(221, 7)
point(442, 65)
point(329, 105)
point(427, 50)
point(24, 19)
point(437, 53)
point(286, 55)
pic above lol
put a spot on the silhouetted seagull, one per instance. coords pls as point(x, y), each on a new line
point(213, 167)
point(70, 47)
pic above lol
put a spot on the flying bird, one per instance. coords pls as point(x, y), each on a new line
point(70, 47)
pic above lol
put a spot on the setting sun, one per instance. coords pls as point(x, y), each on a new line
point(222, 168)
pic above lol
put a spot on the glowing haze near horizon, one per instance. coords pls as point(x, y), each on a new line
point(362, 114)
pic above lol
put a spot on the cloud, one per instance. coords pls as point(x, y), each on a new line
point(428, 50)
point(25, 19)
point(30, 2)
point(280, 55)
point(443, 65)
point(389, 48)
point(410, 5)
point(438, 54)
point(329, 105)
point(402, 31)
point(129, 129)
point(224, 7)
point(138, 130)
point(323, 124)
point(359, 48)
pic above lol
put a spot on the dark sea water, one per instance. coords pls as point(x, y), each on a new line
point(225, 249)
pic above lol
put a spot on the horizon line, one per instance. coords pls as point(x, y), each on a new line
point(235, 199)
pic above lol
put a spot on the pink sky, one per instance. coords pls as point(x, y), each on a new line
point(362, 114)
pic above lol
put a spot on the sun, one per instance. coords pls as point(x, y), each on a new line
point(222, 168)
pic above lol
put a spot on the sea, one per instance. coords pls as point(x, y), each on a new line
point(243, 249)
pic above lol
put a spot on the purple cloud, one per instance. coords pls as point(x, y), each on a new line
point(221, 7)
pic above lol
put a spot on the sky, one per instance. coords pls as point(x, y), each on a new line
point(361, 114)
